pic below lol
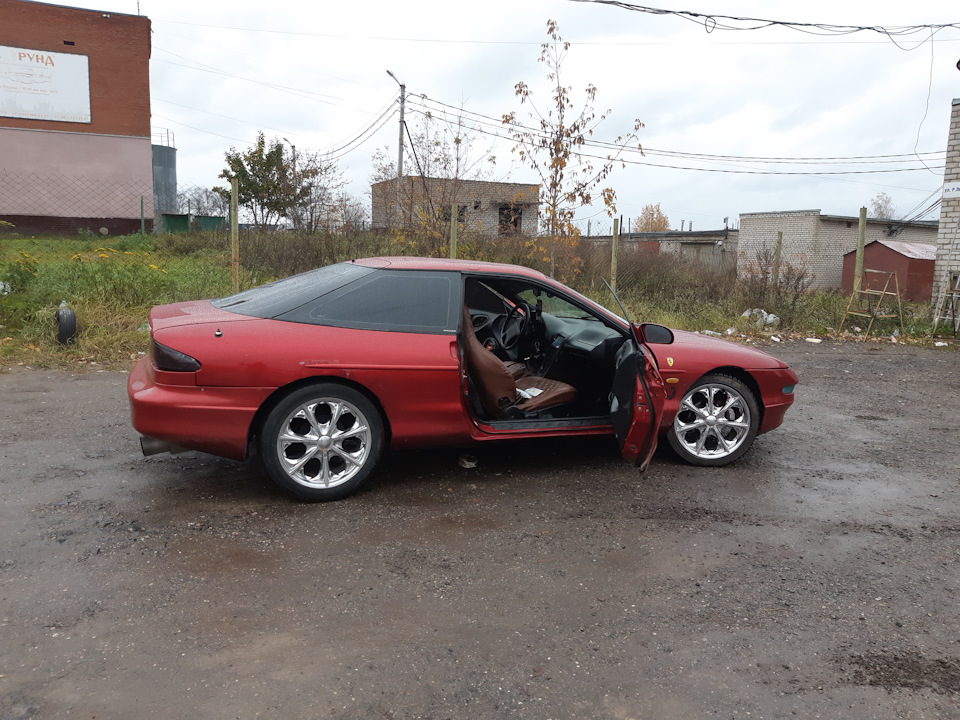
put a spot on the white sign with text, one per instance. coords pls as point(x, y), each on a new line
point(44, 85)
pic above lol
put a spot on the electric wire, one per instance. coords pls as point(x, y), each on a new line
point(712, 21)
point(485, 125)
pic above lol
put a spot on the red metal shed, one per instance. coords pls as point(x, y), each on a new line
point(913, 263)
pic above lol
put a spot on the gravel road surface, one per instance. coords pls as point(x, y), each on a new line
point(816, 578)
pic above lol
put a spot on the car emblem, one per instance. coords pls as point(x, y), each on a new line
point(670, 361)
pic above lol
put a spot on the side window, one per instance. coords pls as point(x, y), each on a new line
point(401, 301)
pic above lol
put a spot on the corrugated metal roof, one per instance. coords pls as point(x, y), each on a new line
point(916, 251)
point(919, 251)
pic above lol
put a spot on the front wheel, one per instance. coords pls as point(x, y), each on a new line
point(716, 422)
point(321, 442)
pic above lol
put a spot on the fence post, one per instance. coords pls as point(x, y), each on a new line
point(453, 230)
point(861, 237)
point(143, 227)
point(234, 237)
point(614, 239)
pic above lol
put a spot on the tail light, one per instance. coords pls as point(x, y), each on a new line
point(165, 358)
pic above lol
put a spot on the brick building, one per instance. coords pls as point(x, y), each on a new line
point(75, 150)
point(948, 241)
point(818, 242)
point(487, 208)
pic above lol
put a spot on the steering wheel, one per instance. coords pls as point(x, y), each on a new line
point(515, 325)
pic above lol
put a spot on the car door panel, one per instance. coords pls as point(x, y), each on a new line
point(636, 403)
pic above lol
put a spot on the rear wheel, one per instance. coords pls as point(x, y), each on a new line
point(716, 422)
point(321, 442)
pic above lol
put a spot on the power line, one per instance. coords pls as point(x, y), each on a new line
point(493, 128)
point(465, 41)
point(711, 22)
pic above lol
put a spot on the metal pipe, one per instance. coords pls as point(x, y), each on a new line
point(152, 446)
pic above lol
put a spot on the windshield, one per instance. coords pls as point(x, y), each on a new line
point(563, 308)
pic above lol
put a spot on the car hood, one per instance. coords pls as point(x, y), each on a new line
point(722, 352)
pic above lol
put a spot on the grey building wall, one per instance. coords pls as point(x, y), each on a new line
point(404, 203)
point(817, 243)
point(710, 247)
point(948, 240)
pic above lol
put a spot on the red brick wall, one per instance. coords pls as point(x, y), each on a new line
point(118, 48)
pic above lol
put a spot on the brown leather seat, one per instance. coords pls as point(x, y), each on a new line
point(497, 388)
point(516, 369)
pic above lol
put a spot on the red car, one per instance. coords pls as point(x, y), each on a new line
point(319, 373)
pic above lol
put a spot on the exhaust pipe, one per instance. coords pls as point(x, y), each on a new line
point(152, 446)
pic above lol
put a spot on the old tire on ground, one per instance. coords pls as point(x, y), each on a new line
point(716, 422)
point(322, 441)
point(66, 325)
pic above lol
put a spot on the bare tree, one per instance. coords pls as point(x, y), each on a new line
point(320, 183)
point(553, 150)
point(881, 206)
point(202, 201)
point(354, 213)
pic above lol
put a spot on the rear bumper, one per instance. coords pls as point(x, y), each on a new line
point(213, 420)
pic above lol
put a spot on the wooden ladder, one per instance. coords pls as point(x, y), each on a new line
point(948, 307)
point(870, 302)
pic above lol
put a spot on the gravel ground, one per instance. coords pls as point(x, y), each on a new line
point(816, 578)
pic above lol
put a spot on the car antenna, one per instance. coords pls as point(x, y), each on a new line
point(626, 315)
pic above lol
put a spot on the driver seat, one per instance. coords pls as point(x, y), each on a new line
point(500, 394)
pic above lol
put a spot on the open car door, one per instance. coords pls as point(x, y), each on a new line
point(636, 403)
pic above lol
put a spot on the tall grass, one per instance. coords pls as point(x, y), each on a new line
point(112, 284)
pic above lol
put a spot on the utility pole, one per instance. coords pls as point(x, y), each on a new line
point(403, 100)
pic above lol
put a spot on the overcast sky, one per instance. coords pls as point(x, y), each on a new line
point(314, 72)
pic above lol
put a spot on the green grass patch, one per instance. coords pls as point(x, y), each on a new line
point(111, 284)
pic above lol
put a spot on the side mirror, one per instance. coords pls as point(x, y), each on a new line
point(654, 334)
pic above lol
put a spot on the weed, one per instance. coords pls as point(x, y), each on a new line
point(111, 287)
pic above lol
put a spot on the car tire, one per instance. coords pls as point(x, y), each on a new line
point(716, 421)
point(322, 441)
point(66, 325)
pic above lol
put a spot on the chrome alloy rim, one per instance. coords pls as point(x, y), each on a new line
point(324, 443)
point(713, 421)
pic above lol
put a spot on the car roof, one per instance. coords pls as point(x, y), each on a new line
point(422, 263)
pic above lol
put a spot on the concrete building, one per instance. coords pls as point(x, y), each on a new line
point(717, 248)
point(947, 265)
point(817, 243)
point(75, 149)
point(487, 208)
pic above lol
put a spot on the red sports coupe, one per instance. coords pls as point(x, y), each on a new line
point(319, 373)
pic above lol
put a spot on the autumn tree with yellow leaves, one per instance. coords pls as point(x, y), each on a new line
point(651, 219)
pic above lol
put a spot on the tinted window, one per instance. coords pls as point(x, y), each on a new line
point(402, 301)
point(282, 296)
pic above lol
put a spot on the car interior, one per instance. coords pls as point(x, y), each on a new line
point(533, 355)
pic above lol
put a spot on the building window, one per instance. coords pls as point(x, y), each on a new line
point(510, 220)
point(443, 213)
